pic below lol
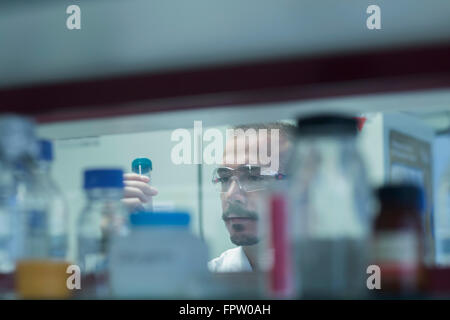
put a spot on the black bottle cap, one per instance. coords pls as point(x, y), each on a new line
point(404, 195)
point(328, 124)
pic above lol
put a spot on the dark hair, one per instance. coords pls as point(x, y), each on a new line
point(286, 129)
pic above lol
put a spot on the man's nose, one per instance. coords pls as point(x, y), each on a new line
point(235, 192)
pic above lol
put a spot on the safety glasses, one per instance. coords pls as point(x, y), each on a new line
point(249, 178)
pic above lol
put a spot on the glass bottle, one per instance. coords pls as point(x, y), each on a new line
point(17, 149)
point(57, 206)
point(397, 244)
point(331, 208)
point(42, 263)
point(103, 218)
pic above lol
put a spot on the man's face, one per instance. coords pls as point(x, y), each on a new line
point(241, 209)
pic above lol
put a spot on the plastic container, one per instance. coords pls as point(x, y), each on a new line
point(330, 207)
point(103, 218)
point(143, 167)
point(160, 258)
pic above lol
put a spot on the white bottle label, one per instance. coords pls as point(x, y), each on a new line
point(396, 247)
point(155, 263)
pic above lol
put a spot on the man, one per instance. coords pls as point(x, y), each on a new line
point(241, 180)
point(242, 193)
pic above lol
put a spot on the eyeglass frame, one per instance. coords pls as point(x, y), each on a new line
point(277, 176)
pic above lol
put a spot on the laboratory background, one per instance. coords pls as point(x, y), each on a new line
point(96, 93)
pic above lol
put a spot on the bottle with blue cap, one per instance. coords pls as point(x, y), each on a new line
point(57, 210)
point(17, 153)
point(44, 238)
point(143, 167)
point(160, 258)
point(103, 218)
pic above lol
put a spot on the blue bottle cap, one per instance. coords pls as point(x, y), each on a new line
point(145, 163)
point(145, 218)
point(45, 150)
point(103, 178)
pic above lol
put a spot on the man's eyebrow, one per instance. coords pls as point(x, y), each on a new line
point(223, 167)
point(249, 166)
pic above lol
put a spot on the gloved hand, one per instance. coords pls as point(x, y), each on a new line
point(137, 191)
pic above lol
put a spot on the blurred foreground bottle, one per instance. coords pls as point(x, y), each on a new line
point(398, 246)
point(442, 226)
point(331, 207)
point(42, 264)
point(17, 149)
point(143, 167)
point(58, 218)
point(160, 258)
point(103, 218)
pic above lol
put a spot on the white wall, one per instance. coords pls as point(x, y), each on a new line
point(176, 184)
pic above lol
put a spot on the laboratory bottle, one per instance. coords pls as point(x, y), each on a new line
point(397, 243)
point(17, 146)
point(160, 258)
point(58, 215)
point(43, 262)
point(331, 208)
point(102, 218)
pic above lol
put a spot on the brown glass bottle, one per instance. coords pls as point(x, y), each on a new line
point(397, 244)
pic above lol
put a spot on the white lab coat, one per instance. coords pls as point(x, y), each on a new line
point(232, 260)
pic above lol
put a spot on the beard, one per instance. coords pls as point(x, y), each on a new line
point(238, 237)
point(244, 240)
